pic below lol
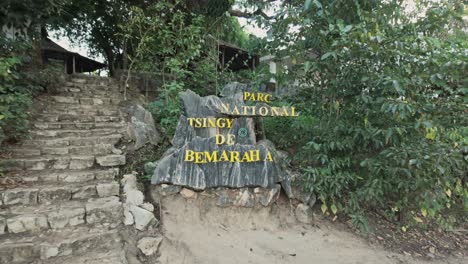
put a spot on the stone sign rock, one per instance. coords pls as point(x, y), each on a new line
point(182, 165)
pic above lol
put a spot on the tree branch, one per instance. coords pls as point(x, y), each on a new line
point(238, 13)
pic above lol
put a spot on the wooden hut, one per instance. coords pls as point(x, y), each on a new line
point(72, 61)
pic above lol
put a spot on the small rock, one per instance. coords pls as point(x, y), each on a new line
point(147, 206)
point(188, 194)
point(149, 245)
point(134, 197)
point(129, 182)
point(25, 223)
point(141, 127)
point(303, 214)
point(313, 200)
point(49, 252)
point(267, 196)
point(128, 217)
point(165, 189)
point(66, 217)
point(116, 151)
point(301, 195)
point(142, 217)
point(104, 210)
point(223, 201)
point(107, 189)
point(244, 198)
point(2, 225)
point(111, 160)
point(20, 196)
point(79, 164)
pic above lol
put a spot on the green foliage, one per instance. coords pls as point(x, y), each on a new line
point(14, 95)
point(384, 105)
point(19, 82)
point(173, 46)
point(26, 15)
point(166, 111)
point(95, 23)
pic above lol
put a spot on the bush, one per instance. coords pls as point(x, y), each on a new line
point(385, 119)
point(19, 82)
point(166, 110)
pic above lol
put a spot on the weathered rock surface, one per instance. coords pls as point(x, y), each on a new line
point(26, 223)
point(107, 189)
point(172, 169)
point(267, 196)
point(244, 198)
point(149, 245)
point(142, 217)
point(233, 88)
point(128, 216)
point(129, 182)
point(111, 160)
point(223, 197)
point(67, 217)
point(20, 196)
point(188, 194)
point(2, 225)
point(66, 209)
point(148, 207)
point(303, 214)
point(165, 189)
point(134, 197)
point(104, 210)
point(141, 128)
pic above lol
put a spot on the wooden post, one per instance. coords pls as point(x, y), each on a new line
point(74, 69)
point(65, 64)
point(222, 61)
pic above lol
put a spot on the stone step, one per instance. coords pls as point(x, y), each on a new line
point(61, 162)
point(92, 150)
point(78, 125)
point(54, 193)
point(94, 257)
point(86, 91)
point(49, 162)
point(76, 118)
point(91, 86)
point(36, 218)
point(90, 100)
point(71, 141)
point(55, 105)
point(82, 78)
point(80, 107)
point(50, 245)
point(66, 176)
point(57, 133)
point(95, 112)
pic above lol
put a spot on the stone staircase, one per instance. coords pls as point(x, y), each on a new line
point(66, 206)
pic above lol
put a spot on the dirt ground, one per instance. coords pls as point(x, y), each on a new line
point(198, 232)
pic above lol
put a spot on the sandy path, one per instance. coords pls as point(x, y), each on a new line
point(197, 232)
